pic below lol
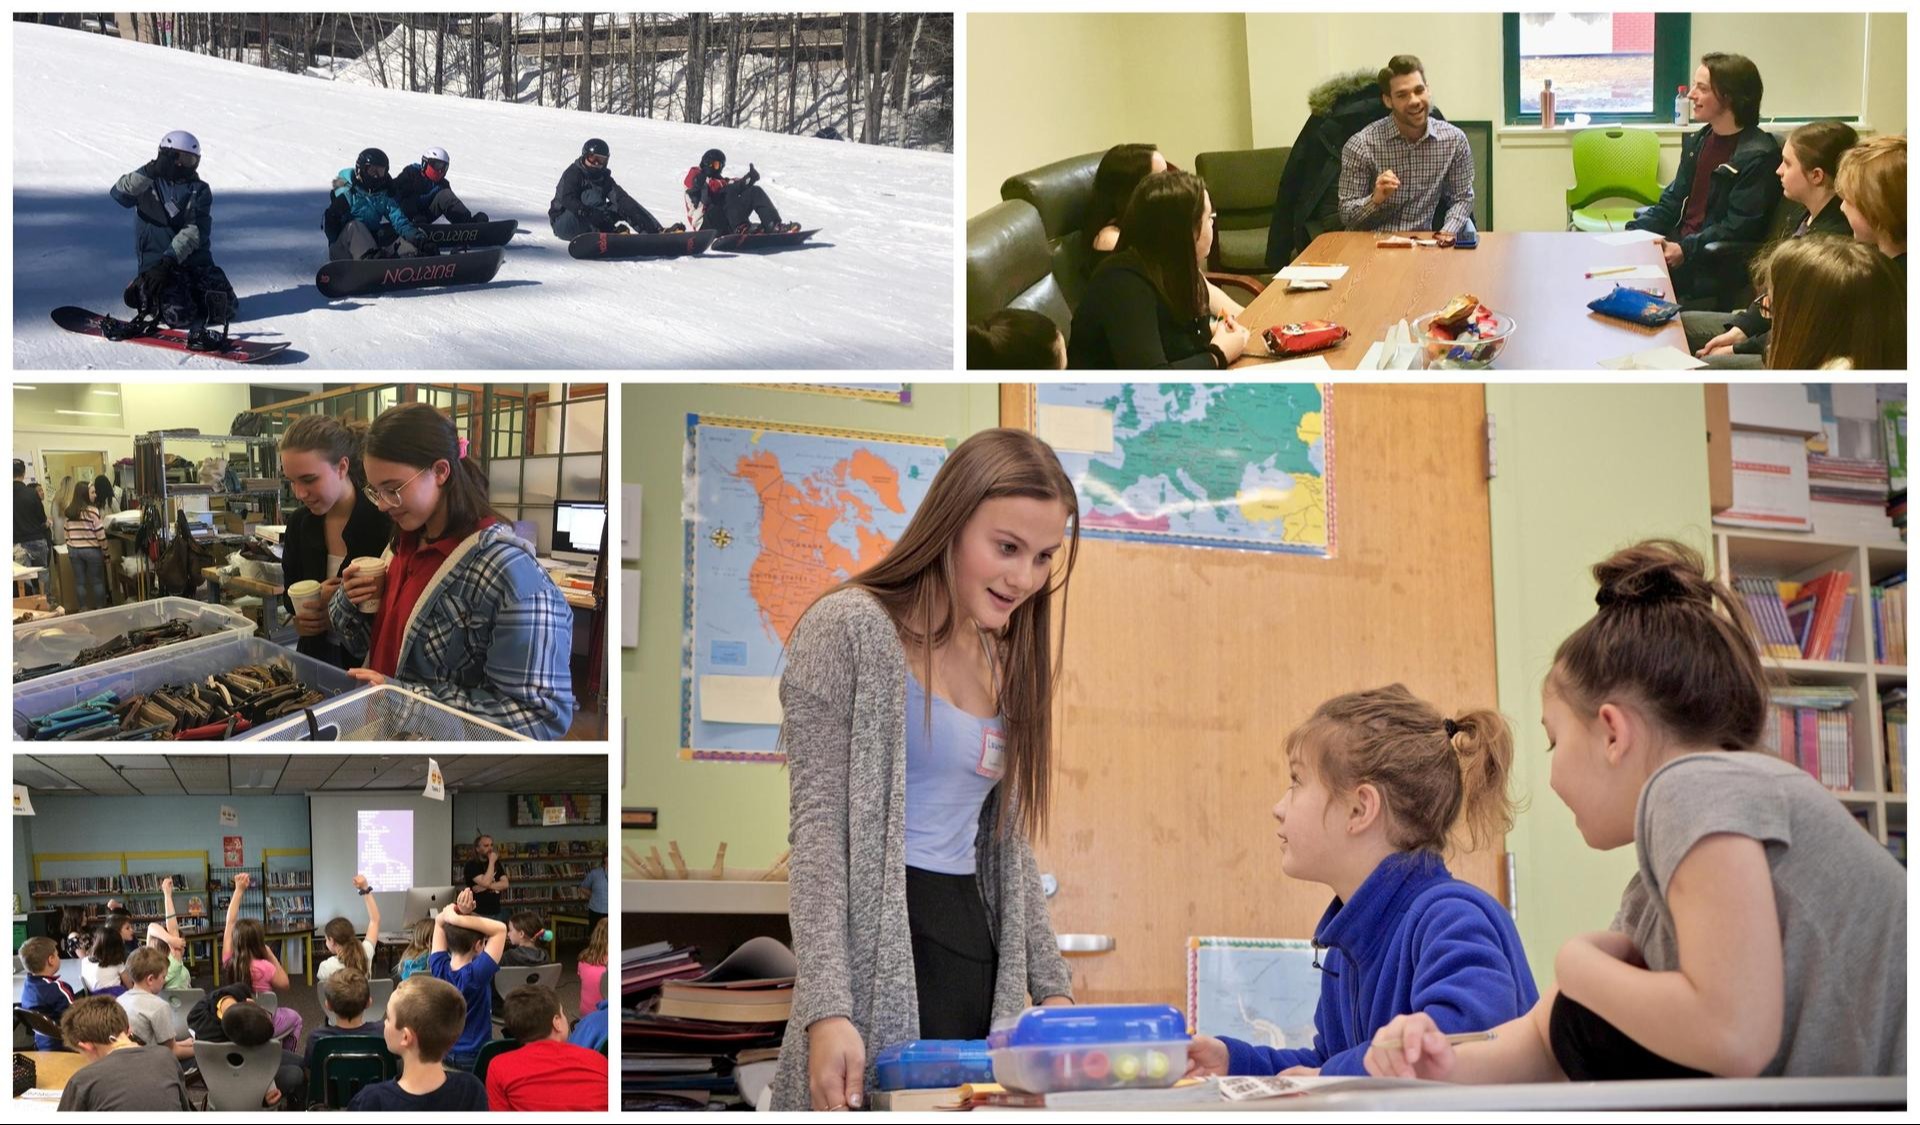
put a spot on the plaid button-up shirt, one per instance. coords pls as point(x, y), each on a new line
point(1439, 166)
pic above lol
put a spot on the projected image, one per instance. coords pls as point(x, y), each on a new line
point(385, 848)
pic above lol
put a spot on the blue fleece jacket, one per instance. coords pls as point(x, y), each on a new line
point(1414, 939)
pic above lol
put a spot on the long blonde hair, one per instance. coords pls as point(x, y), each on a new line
point(914, 582)
point(1835, 302)
point(596, 951)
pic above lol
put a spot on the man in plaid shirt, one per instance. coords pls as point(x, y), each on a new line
point(1398, 173)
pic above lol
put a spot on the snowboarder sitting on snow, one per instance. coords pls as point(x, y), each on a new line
point(425, 194)
point(364, 220)
point(588, 200)
point(178, 284)
point(724, 205)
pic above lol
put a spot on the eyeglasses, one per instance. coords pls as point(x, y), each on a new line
point(390, 497)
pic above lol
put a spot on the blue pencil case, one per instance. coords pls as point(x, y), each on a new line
point(1635, 305)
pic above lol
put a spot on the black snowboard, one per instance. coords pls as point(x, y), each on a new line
point(351, 277)
point(763, 241)
point(76, 319)
point(493, 233)
point(593, 246)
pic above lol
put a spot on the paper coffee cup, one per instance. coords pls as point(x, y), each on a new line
point(368, 564)
point(302, 594)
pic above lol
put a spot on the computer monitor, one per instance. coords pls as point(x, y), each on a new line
point(425, 902)
point(577, 528)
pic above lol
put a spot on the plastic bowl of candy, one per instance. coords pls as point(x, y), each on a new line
point(1476, 344)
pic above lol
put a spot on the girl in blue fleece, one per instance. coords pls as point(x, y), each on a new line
point(1377, 782)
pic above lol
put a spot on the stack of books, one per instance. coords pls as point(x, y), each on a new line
point(1812, 727)
point(689, 1033)
point(1893, 437)
point(1890, 619)
point(1801, 620)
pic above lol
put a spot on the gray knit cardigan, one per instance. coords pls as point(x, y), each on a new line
point(845, 736)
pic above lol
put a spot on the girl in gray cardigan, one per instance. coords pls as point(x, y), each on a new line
point(917, 703)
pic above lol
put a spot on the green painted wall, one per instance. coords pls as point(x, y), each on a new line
point(1582, 470)
point(703, 803)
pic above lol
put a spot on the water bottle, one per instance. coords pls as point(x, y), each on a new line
point(1682, 109)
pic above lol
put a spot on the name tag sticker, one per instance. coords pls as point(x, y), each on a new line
point(993, 754)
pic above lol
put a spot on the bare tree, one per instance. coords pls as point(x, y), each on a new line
point(732, 112)
point(696, 65)
point(543, 58)
point(440, 53)
point(586, 62)
point(266, 40)
point(509, 65)
point(477, 56)
point(903, 68)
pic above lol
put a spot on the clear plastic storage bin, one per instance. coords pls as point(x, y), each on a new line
point(384, 714)
point(1090, 1047)
point(933, 1064)
point(171, 665)
point(57, 640)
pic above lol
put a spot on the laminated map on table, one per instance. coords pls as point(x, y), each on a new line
point(775, 514)
point(1247, 466)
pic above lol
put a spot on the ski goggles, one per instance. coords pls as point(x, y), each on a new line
point(594, 160)
point(183, 159)
point(438, 168)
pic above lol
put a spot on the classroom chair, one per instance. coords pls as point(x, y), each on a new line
point(237, 1078)
point(510, 977)
point(1242, 183)
point(1612, 163)
point(182, 1000)
point(379, 991)
point(488, 1052)
point(267, 1000)
point(33, 1021)
point(1061, 192)
point(342, 1064)
point(1010, 266)
point(1731, 262)
point(1480, 144)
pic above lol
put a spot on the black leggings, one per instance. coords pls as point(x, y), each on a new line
point(954, 958)
point(1590, 1049)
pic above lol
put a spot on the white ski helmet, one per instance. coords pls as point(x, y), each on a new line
point(181, 141)
point(435, 153)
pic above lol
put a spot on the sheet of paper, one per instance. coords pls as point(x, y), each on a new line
point(740, 699)
point(1664, 358)
point(1615, 273)
point(1076, 429)
point(1626, 237)
point(1313, 273)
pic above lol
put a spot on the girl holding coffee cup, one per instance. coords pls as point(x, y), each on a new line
point(455, 607)
point(320, 457)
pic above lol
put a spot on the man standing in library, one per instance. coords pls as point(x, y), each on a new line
point(484, 877)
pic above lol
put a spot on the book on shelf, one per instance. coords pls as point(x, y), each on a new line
point(1769, 483)
point(1820, 614)
point(1893, 715)
point(1812, 727)
point(1889, 603)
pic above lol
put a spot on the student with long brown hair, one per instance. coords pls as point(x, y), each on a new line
point(1837, 303)
point(918, 703)
point(463, 613)
point(1764, 934)
point(320, 457)
point(1147, 305)
point(87, 548)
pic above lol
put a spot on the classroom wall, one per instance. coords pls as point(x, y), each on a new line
point(1462, 52)
point(474, 813)
point(69, 823)
point(1583, 470)
point(1045, 86)
point(704, 803)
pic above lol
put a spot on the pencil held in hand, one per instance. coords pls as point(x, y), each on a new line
point(1463, 1037)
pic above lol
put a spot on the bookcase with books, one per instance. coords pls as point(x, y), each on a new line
point(1831, 614)
point(541, 874)
point(90, 880)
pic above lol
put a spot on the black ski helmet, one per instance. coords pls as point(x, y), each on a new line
point(713, 161)
point(371, 158)
point(596, 147)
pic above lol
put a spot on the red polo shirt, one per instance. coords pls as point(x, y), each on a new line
point(414, 563)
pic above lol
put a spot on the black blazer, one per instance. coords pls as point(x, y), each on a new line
point(303, 557)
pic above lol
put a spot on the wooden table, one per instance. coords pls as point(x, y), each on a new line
point(1535, 278)
point(25, 574)
point(267, 592)
point(52, 1069)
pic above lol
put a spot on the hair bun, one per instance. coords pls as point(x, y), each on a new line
point(1658, 570)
